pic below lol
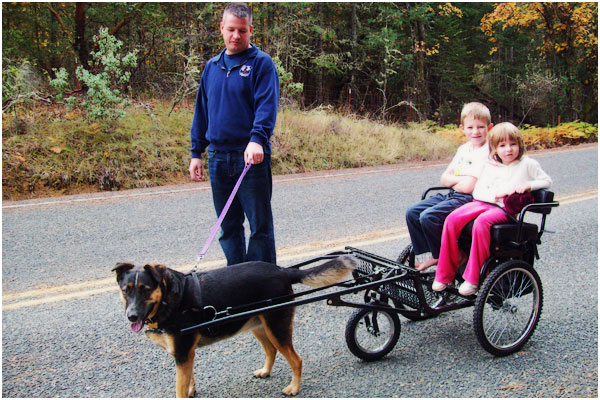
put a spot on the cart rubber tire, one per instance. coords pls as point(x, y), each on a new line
point(360, 327)
point(508, 307)
point(407, 256)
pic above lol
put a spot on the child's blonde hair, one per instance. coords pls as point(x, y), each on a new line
point(475, 110)
point(499, 133)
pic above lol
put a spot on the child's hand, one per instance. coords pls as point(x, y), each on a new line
point(522, 188)
point(503, 194)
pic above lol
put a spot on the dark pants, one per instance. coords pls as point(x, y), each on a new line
point(253, 200)
point(425, 220)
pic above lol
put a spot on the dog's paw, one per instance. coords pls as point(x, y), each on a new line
point(262, 373)
point(192, 388)
point(291, 390)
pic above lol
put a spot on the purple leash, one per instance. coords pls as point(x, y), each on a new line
point(217, 224)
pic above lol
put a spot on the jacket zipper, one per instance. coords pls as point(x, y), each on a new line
point(237, 66)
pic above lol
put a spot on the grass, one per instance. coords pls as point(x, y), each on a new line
point(48, 151)
point(318, 140)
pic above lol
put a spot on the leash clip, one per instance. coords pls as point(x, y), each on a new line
point(214, 310)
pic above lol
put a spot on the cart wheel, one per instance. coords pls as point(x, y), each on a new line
point(371, 334)
point(407, 256)
point(508, 307)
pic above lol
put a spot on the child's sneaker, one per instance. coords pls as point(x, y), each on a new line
point(438, 286)
point(468, 289)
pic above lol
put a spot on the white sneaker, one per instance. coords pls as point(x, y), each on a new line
point(468, 289)
point(438, 286)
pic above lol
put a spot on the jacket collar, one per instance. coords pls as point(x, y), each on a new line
point(250, 53)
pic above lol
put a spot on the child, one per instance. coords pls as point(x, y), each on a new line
point(508, 171)
point(425, 220)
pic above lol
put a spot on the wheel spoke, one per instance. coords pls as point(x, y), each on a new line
point(376, 332)
point(508, 308)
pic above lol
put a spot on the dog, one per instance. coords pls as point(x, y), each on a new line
point(168, 301)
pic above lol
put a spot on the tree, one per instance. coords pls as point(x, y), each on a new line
point(566, 36)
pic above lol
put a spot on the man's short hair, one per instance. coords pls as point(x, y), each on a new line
point(475, 110)
point(240, 10)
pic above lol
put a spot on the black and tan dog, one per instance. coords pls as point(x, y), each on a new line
point(168, 301)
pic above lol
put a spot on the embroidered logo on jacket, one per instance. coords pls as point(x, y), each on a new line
point(245, 70)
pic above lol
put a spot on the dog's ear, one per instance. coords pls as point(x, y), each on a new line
point(121, 268)
point(157, 271)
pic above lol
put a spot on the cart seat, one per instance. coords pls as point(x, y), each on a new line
point(504, 233)
point(501, 235)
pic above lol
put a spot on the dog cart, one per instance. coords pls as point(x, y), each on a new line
point(506, 311)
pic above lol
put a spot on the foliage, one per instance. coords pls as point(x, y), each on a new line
point(395, 61)
point(103, 99)
point(149, 147)
point(81, 155)
point(60, 83)
point(289, 89)
point(563, 134)
point(20, 84)
point(534, 137)
point(535, 88)
point(565, 35)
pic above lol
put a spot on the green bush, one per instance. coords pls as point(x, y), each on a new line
point(104, 99)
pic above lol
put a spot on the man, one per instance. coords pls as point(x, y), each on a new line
point(236, 109)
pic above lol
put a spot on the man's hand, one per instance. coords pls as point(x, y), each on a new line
point(254, 153)
point(196, 169)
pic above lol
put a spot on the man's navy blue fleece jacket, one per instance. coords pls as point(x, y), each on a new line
point(236, 105)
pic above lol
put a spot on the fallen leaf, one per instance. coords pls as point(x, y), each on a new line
point(58, 149)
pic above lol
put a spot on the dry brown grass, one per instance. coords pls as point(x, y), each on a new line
point(317, 140)
point(48, 151)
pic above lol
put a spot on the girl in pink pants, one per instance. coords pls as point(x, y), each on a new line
point(508, 171)
point(485, 215)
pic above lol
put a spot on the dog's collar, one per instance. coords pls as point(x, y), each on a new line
point(166, 308)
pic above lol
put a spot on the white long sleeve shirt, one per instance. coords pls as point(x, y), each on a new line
point(497, 178)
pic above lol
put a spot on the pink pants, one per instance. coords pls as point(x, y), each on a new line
point(485, 215)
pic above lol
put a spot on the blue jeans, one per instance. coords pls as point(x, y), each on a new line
point(425, 220)
point(253, 200)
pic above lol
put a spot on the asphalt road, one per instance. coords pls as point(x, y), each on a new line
point(64, 332)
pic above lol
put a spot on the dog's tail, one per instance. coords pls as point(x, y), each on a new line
point(334, 271)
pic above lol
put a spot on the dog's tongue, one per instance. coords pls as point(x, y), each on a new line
point(137, 326)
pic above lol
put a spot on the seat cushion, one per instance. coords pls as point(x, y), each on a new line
point(501, 234)
point(504, 233)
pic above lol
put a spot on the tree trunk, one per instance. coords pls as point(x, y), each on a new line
point(421, 74)
point(81, 47)
point(319, 70)
point(354, 26)
point(54, 61)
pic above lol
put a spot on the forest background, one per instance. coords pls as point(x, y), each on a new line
point(355, 75)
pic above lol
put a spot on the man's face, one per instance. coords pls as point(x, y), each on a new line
point(236, 33)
